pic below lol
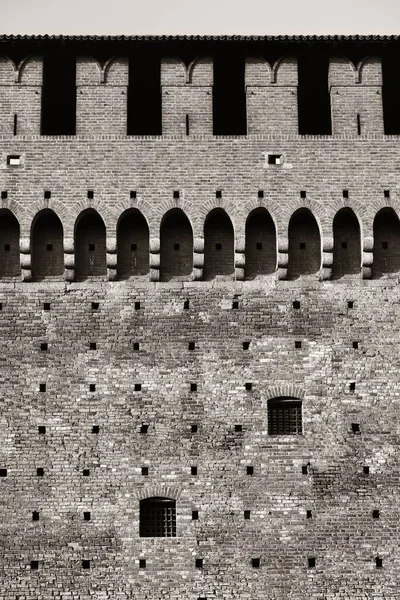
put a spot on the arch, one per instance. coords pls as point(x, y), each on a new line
point(132, 244)
point(346, 244)
point(260, 244)
point(9, 245)
point(218, 245)
point(47, 247)
point(304, 244)
point(386, 242)
point(157, 517)
point(285, 416)
point(90, 245)
point(176, 246)
point(115, 71)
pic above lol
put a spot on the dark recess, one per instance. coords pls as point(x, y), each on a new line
point(144, 94)
point(59, 94)
point(391, 93)
point(229, 99)
point(313, 94)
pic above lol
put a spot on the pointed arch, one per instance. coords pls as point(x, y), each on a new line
point(47, 248)
point(218, 245)
point(176, 246)
point(386, 242)
point(9, 244)
point(304, 244)
point(260, 244)
point(346, 244)
point(90, 245)
point(132, 244)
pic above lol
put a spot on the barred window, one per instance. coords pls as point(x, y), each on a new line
point(284, 416)
point(157, 517)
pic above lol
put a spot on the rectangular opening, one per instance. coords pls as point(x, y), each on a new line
point(42, 429)
point(385, 245)
point(193, 387)
point(193, 470)
point(218, 246)
point(92, 387)
point(229, 94)
point(345, 193)
point(176, 194)
point(133, 247)
point(261, 193)
point(92, 346)
point(4, 195)
point(187, 124)
point(255, 563)
point(144, 93)
point(311, 563)
point(14, 160)
point(218, 194)
point(195, 515)
point(352, 386)
point(249, 386)
point(309, 514)
point(386, 193)
point(314, 106)
point(296, 304)
point(86, 472)
point(238, 428)
point(6, 247)
point(304, 469)
point(366, 470)
point(375, 514)
point(284, 417)
point(250, 470)
point(34, 565)
point(350, 304)
point(133, 194)
point(302, 245)
point(42, 387)
point(35, 515)
point(49, 247)
point(142, 563)
point(194, 428)
point(303, 194)
point(137, 305)
point(343, 245)
point(358, 124)
point(86, 516)
point(46, 306)
point(144, 428)
point(199, 563)
point(246, 345)
point(95, 429)
point(15, 124)
point(47, 194)
point(90, 194)
point(95, 306)
point(186, 305)
point(275, 159)
point(85, 564)
point(3, 472)
point(92, 247)
point(246, 514)
point(355, 428)
point(40, 471)
point(355, 345)
point(138, 387)
point(235, 305)
point(59, 94)
point(297, 344)
point(136, 346)
point(379, 562)
point(192, 345)
point(177, 246)
point(145, 471)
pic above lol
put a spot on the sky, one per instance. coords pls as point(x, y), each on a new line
point(201, 17)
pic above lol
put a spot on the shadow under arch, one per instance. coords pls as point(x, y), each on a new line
point(47, 245)
point(90, 245)
point(346, 244)
point(386, 243)
point(176, 246)
point(9, 244)
point(132, 244)
point(304, 244)
point(260, 244)
point(218, 245)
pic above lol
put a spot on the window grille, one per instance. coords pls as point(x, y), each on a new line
point(284, 416)
point(157, 517)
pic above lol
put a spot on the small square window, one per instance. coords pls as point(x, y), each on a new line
point(379, 562)
point(14, 160)
point(137, 305)
point(302, 245)
point(133, 247)
point(246, 514)
point(138, 387)
point(92, 346)
point(195, 515)
point(259, 246)
point(311, 563)
point(297, 344)
point(238, 428)
point(304, 469)
point(86, 516)
point(199, 563)
point(42, 429)
point(92, 387)
point(34, 565)
point(248, 386)
point(42, 387)
point(235, 305)
point(46, 306)
point(86, 472)
point(255, 563)
point(176, 194)
point(275, 159)
point(355, 428)
point(144, 428)
point(145, 471)
point(95, 306)
point(133, 194)
point(218, 246)
point(95, 429)
point(261, 193)
point(3, 472)
point(40, 471)
point(193, 470)
point(35, 515)
point(375, 514)
point(192, 345)
point(385, 245)
point(343, 245)
point(49, 247)
point(92, 247)
point(355, 345)
point(177, 246)
point(4, 195)
point(86, 564)
point(366, 470)
point(350, 304)
point(250, 470)
point(246, 345)
point(309, 514)
point(142, 563)
point(218, 194)
point(296, 304)
point(186, 305)
point(194, 428)
point(6, 247)
point(352, 386)
point(90, 194)
point(136, 346)
point(47, 195)
point(193, 387)
point(303, 194)
point(345, 193)
point(386, 193)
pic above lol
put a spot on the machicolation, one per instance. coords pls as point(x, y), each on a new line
point(199, 316)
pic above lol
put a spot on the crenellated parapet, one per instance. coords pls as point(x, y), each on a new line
point(271, 96)
point(101, 103)
point(20, 96)
point(187, 96)
point(356, 96)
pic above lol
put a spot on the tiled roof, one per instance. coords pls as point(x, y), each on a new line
point(207, 38)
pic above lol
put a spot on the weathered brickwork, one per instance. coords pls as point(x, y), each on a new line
point(155, 294)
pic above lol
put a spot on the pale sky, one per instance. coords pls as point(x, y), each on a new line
point(202, 17)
